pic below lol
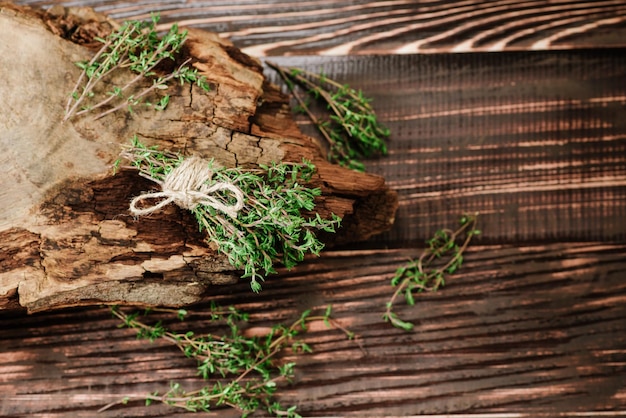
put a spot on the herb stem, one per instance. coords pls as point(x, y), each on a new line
point(418, 275)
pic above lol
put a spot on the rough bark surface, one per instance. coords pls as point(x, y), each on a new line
point(66, 237)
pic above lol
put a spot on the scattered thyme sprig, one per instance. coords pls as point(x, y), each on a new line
point(352, 130)
point(428, 272)
point(270, 227)
point(137, 47)
point(250, 361)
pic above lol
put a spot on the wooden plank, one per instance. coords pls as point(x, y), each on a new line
point(328, 27)
point(528, 330)
point(535, 142)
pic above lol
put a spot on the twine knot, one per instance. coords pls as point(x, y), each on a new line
point(188, 186)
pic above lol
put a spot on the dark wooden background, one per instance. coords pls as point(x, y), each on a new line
point(516, 110)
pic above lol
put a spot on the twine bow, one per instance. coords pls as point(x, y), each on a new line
point(186, 186)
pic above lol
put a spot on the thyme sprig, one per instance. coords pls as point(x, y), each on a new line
point(352, 130)
point(269, 229)
point(443, 256)
point(137, 47)
point(245, 370)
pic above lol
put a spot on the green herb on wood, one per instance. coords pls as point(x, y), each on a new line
point(135, 47)
point(352, 130)
point(268, 226)
point(244, 370)
point(443, 257)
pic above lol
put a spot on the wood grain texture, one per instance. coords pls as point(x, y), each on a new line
point(535, 142)
point(388, 27)
point(533, 326)
point(527, 330)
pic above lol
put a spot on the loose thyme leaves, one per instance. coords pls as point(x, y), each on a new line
point(244, 370)
point(270, 227)
point(443, 256)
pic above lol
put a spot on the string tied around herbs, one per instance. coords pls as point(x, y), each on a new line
point(189, 185)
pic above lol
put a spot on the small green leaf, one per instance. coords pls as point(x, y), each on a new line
point(408, 294)
point(398, 323)
point(256, 286)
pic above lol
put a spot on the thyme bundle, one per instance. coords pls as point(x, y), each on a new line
point(269, 227)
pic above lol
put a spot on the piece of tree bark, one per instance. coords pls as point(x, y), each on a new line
point(66, 236)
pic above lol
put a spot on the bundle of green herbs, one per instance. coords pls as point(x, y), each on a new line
point(269, 226)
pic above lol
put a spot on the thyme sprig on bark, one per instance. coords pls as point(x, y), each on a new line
point(352, 129)
point(271, 226)
point(135, 47)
